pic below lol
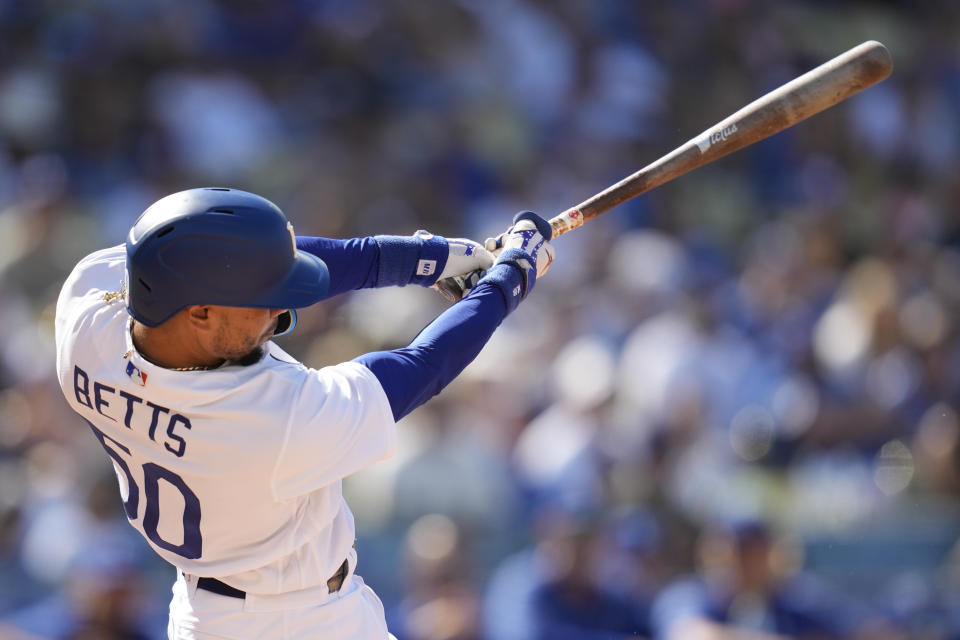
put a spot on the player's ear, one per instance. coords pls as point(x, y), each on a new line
point(198, 316)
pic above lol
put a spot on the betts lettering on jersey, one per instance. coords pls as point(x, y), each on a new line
point(102, 395)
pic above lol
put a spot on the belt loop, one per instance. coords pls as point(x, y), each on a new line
point(352, 558)
point(189, 580)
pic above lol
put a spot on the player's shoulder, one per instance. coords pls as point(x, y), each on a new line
point(345, 377)
point(277, 359)
point(96, 280)
point(110, 257)
point(100, 270)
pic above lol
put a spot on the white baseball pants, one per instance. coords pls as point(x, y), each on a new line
point(354, 613)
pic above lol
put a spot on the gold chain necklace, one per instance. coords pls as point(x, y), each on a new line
point(202, 367)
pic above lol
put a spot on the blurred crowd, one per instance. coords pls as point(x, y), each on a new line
point(729, 411)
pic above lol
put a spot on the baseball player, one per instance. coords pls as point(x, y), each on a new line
point(229, 452)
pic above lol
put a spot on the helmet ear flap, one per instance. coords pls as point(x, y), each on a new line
point(286, 321)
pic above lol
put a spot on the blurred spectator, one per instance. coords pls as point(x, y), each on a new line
point(571, 602)
point(746, 583)
point(101, 600)
point(440, 601)
point(564, 593)
point(17, 587)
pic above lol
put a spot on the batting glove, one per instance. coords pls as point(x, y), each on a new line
point(529, 233)
point(465, 256)
point(525, 254)
point(466, 263)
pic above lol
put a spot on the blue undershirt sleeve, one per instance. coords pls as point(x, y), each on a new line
point(352, 264)
point(412, 375)
point(378, 261)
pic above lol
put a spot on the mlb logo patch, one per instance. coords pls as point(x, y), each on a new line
point(136, 375)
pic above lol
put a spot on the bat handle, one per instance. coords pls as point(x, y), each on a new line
point(455, 287)
point(566, 221)
point(452, 288)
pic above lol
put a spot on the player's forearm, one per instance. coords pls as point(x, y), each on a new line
point(352, 263)
point(378, 261)
point(412, 375)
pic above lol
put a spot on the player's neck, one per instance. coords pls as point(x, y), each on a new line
point(167, 347)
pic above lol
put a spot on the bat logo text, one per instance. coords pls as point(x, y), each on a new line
point(723, 134)
point(708, 138)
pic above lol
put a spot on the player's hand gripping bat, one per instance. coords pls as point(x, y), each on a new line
point(832, 82)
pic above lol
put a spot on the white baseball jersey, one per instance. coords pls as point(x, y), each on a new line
point(233, 473)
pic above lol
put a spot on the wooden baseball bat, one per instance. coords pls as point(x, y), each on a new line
point(832, 82)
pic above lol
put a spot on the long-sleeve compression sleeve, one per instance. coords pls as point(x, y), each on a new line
point(378, 261)
point(412, 375)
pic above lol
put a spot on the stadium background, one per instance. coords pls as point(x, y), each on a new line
point(765, 349)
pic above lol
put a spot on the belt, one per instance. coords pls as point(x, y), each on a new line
point(221, 588)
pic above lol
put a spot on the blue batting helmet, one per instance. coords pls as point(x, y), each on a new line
point(217, 246)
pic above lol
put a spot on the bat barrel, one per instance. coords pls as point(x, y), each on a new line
point(818, 89)
point(832, 82)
